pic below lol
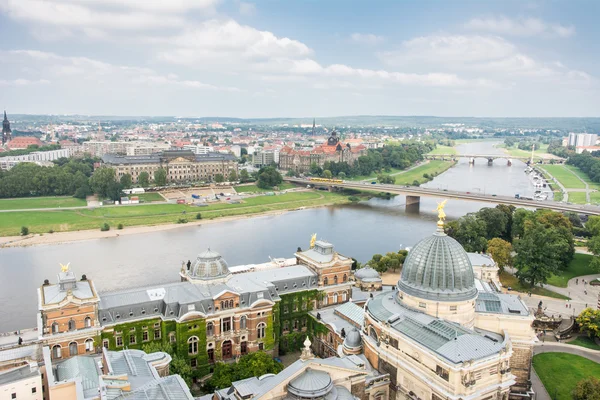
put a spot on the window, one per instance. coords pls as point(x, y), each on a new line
point(422, 305)
point(119, 341)
point(226, 323)
point(210, 329)
point(285, 309)
point(73, 348)
point(89, 345)
point(261, 346)
point(345, 278)
point(243, 322)
point(172, 338)
point(261, 330)
point(193, 345)
point(132, 329)
point(344, 296)
point(33, 390)
point(145, 336)
point(452, 308)
point(325, 299)
point(71, 325)
point(286, 326)
point(304, 323)
point(296, 325)
point(105, 343)
point(131, 339)
point(56, 351)
point(325, 281)
point(55, 327)
point(88, 322)
point(211, 355)
point(244, 348)
point(193, 363)
point(13, 396)
point(335, 280)
point(157, 334)
point(442, 372)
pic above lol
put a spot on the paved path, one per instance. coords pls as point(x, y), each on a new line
point(536, 383)
point(562, 188)
point(587, 188)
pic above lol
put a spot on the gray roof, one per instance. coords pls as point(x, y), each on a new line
point(209, 265)
point(83, 367)
point(323, 252)
point(18, 374)
point(448, 340)
point(116, 159)
point(171, 387)
point(53, 293)
point(480, 259)
point(173, 300)
point(438, 268)
point(353, 339)
point(498, 303)
point(367, 272)
point(311, 383)
point(352, 312)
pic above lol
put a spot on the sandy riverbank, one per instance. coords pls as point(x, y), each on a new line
point(75, 236)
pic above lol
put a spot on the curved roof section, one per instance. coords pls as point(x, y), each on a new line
point(311, 383)
point(353, 339)
point(366, 272)
point(438, 268)
point(209, 265)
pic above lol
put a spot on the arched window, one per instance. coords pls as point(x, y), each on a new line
point(88, 322)
point(335, 298)
point(325, 299)
point(55, 327)
point(210, 329)
point(373, 334)
point(172, 338)
point(330, 338)
point(89, 345)
point(73, 349)
point(335, 280)
point(345, 278)
point(243, 322)
point(296, 324)
point(56, 351)
point(222, 305)
point(325, 281)
point(230, 303)
point(344, 296)
point(261, 330)
point(71, 325)
point(193, 345)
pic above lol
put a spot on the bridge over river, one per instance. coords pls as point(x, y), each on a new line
point(413, 195)
point(491, 157)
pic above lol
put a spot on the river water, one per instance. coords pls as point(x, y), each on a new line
point(358, 230)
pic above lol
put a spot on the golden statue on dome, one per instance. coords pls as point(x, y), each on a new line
point(441, 213)
point(64, 268)
point(313, 239)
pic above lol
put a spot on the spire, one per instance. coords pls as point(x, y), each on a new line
point(5, 117)
point(313, 131)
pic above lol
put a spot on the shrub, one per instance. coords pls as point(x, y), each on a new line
point(426, 176)
point(105, 227)
point(416, 183)
point(198, 216)
point(354, 198)
point(120, 226)
point(182, 221)
point(51, 231)
point(24, 231)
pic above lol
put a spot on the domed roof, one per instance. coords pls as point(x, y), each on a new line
point(311, 383)
point(209, 265)
point(438, 268)
point(366, 272)
point(353, 339)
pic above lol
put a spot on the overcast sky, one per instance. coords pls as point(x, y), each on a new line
point(276, 58)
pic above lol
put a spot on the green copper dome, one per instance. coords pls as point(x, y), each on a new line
point(438, 268)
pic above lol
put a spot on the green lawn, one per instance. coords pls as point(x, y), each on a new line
point(577, 198)
point(510, 280)
point(515, 152)
point(40, 202)
point(149, 197)
point(584, 176)
point(373, 175)
point(443, 150)
point(595, 197)
point(432, 167)
point(255, 189)
point(558, 195)
point(578, 267)
point(568, 179)
point(585, 341)
point(560, 372)
point(71, 220)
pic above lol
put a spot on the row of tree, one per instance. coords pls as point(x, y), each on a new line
point(390, 261)
point(587, 163)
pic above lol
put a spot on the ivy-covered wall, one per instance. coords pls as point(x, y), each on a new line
point(292, 307)
point(138, 329)
point(186, 330)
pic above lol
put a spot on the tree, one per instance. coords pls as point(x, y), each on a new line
point(160, 177)
point(327, 174)
point(268, 177)
point(593, 225)
point(587, 389)
point(589, 321)
point(254, 364)
point(470, 232)
point(501, 252)
point(315, 169)
point(24, 231)
point(244, 176)
point(519, 217)
point(342, 175)
point(126, 181)
point(103, 181)
point(219, 178)
point(290, 173)
point(495, 222)
point(509, 212)
point(386, 179)
point(180, 366)
point(232, 176)
point(144, 179)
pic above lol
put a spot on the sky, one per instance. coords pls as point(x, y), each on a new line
point(300, 58)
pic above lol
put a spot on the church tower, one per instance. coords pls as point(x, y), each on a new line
point(313, 131)
point(6, 132)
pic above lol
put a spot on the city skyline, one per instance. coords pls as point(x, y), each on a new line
point(284, 59)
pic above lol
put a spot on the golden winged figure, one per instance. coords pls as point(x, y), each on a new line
point(64, 268)
point(440, 210)
point(313, 239)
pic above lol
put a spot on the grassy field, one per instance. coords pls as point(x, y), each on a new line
point(577, 197)
point(584, 176)
point(595, 197)
point(373, 176)
point(41, 202)
point(578, 267)
point(150, 197)
point(255, 189)
point(71, 220)
point(568, 179)
point(558, 195)
point(510, 280)
point(443, 150)
point(432, 167)
point(515, 152)
point(569, 367)
point(586, 342)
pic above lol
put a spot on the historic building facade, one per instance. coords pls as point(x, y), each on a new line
point(180, 165)
point(333, 150)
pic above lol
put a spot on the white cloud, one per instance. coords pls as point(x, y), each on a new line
point(367, 38)
point(23, 82)
point(519, 27)
point(247, 8)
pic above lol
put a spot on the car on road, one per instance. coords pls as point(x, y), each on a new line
point(468, 192)
point(595, 282)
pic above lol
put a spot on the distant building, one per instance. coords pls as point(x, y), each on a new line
point(98, 148)
point(199, 149)
point(589, 149)
point(145, 149)
point(6, 132)
point(236, 150)
point(181, 165)
point(38, 157)
point(23, 142)
point(24, 382)
point(582, 139)
point(264, 158)
point(333, 150)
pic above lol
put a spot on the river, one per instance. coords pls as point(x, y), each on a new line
point(357, 230)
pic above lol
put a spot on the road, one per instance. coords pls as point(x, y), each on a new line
point(494, 156)
point(448, 194)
